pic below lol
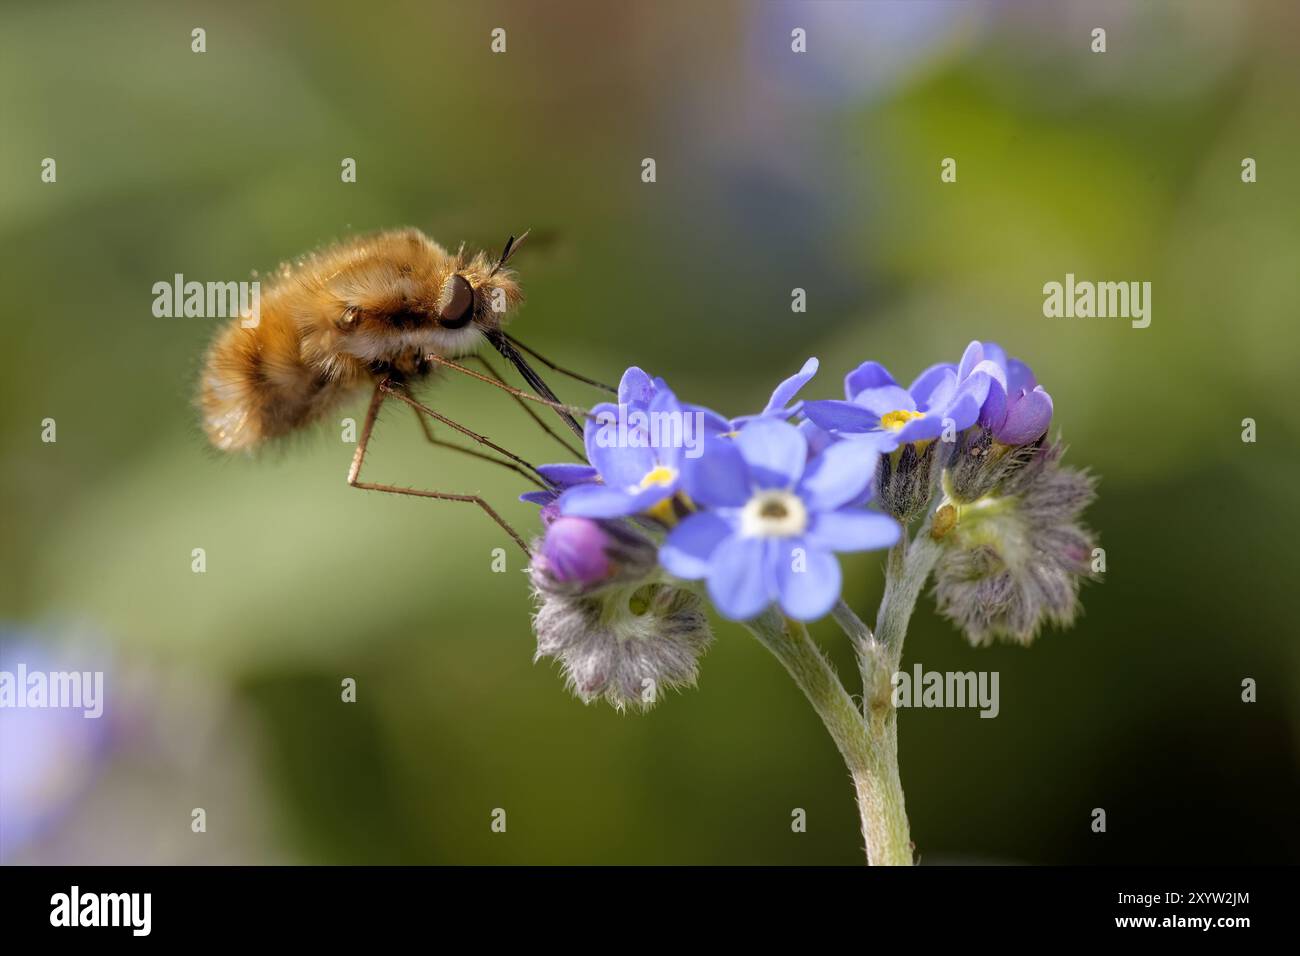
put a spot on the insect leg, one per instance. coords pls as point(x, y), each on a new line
point(434, 440)
point(529, 409)
point(566, 411)
point(388, 388)
point(382, 391)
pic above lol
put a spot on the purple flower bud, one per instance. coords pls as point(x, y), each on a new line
point(583, 556)
point(1018, 409)
point(618, 631)
point(575, 551)
point(1028, 415)
point(550, 511)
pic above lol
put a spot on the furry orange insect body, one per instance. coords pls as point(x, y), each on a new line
point(359, 313)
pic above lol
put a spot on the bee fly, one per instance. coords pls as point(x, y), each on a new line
point(382, 311)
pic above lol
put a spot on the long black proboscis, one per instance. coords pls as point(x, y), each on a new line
point(502, 345)
point(559, 368)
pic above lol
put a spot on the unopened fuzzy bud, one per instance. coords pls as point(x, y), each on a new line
point(905, 479)
point(626, 644)
point(1014, 560)
point(980, 465)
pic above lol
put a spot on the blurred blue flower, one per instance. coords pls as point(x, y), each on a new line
point(49, 756)
point(773, 520)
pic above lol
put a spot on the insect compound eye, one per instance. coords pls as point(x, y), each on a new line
point(456, 303)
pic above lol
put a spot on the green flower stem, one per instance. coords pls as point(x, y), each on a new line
point(866, 738)
point(906, 572)
point(868, 746)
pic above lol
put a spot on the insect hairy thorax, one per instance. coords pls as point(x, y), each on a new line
point(362, 311)
point(391, 304)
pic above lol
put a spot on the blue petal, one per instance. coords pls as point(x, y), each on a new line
point(668, 423)
point(788, 389)
point(1019, 376)
point(883, 440)
point(538, 497)
point(624, 467)
point(621, 464)
point(982, 377)
point(853, 529)
point(1027, 418)
point(819, 439)
point(635, 388)
point(920, 429)
point(994, 412)
point(775, 451)
point(598, 501)
point(714, 424)
point(924, 384)
point(565, 475)
point(964, 411)
point(996, 354)
point(973, 355)
point(867, 375)
point(719, 477)
point(647, 498)
point(807, 579)
point(739, 578)
point(689, 549)
point(934, 388)
point(888, 398)
point(833, 415)
point(838, 475)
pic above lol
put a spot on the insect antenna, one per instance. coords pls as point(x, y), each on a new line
point(512, 246)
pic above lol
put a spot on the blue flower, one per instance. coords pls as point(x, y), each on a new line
point(638, 462)
point(636, 390)
point(774, 519)
point(879, 409)
point(1017, 410)
point(560, 477)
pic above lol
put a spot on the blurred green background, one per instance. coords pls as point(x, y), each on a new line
point(775, 170)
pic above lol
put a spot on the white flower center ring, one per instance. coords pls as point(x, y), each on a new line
point(774, 514)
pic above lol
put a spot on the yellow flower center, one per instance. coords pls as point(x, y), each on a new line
point(896, 419)
point(665, 510)
point(659, 475)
